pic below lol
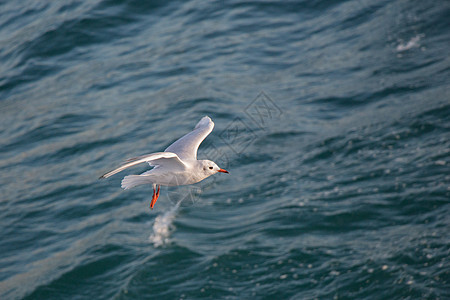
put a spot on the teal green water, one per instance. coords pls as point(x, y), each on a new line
point(332, 117)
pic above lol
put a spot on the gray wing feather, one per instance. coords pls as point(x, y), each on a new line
point(186, 147)
point(168, 159)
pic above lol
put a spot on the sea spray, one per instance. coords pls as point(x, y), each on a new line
point(163, 225)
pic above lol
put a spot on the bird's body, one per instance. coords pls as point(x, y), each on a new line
point(177, 165)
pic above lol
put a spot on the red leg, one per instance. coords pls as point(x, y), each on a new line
point(155, 197)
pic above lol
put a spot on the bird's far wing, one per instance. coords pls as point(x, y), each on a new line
point(168, 159)
point(186, 147)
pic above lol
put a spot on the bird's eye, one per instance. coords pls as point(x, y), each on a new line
point(210, 168)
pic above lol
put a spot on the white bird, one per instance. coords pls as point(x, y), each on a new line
point(177, 165)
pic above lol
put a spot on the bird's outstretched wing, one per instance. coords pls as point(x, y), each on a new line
point(166, 159)
point(186, 147)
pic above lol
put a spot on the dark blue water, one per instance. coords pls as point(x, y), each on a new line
point(332, 117)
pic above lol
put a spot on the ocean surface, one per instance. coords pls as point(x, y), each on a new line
point(332, 117)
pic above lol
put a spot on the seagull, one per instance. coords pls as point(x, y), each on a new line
point(177, 165)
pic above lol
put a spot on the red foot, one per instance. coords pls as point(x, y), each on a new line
point(155, 197)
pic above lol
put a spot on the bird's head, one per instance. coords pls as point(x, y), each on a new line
point(210, 168)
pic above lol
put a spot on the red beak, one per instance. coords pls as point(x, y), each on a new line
point(223, 171)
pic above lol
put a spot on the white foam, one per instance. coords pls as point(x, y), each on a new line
point(412, 43)
point(162, 226)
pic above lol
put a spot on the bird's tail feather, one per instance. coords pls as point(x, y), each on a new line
point(131, 181)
